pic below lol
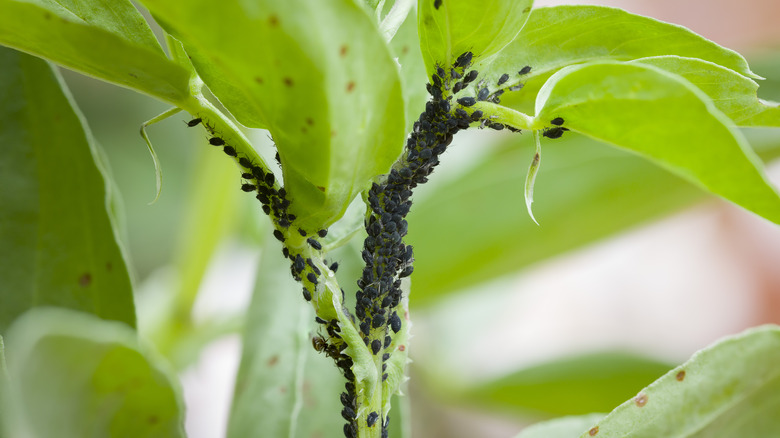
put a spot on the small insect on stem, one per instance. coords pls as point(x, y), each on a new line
point(437, 4)
point(194, 122)
point(216, 141)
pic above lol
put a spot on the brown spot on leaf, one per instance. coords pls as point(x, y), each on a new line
point(273, 360)
point(85, 279)
point(273, 21)
point(332, 133)
point(401, 347)
point(680, 376)
point(405, 50)
point(640, 400)
point(593, 431)
point(283, 389)
point(287, 81)
point(343, 51)
point(109, 266)
point(527, 10)
point(350, 86)
point(47, 15)
point(133, 75)
point(152, 419)
point(259, 80)
point(320, 188)
point(309, 121)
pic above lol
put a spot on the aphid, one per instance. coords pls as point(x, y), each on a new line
point(378, 320)
point(269, 179)
point(395, 322)
point(371, 419)
point(440, 71)
point(334, 267)
point(317, 319)
point(230, 150)
point(384, 367)
point(216, 141)
point(266, 209)
point(457, 87)
point(319, 343)
point(350, 431)
point(467, 101)
point(525, 70)
point(322, 233)
point(512, 128)
point(348, 413)
point(464, 60)
point(384, 377)
point(376, 346)
point(279, 236)
point(264, 199)
point(483, 94)
point(558, 121)
point(346, 400)
point(470, 77)
point(302, 232)
point(306, 294)
point(516, 87)
point(245, 162)
point(194, 122)
point(314, 244)
point(311, 277)
point(554, 132)
point(282, 192)
point(476, 115)
point(455, 75)
point(365, 327)
point(247, 175)
point(436, 81)
point(248, 187)
point(504, 77)
point(497, 126)
point(437, 3)
point(386, 355)
point(286, 252)
point(278, 159)
point(409, 269)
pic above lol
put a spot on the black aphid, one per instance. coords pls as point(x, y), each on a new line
point(248, 187)
point(376, 346)
point(286, 252)
point(558, 121)
point(306, 294)
point(440, 71)
point(247, 175)
point(476, 115)
point(384, 377)
point(371, 419)
point(470, 77)
point(269, 179)
point(216, 141)
point(504, 77)
point(350, 431)
point(194, 122)
point(437, 3)
point(348, 413)
point(554, 132)
point(311, 277)
point(483, 94)
point(525, 70)
point(314, 244)
point(395, 322)
point(319, 320)
point(279, 236)
point(322, 233)
point(467, 101)
point(464, 60)
point(457, 87)
point(334, 266)
point(386, 355)
point(244, 161)
point(302, 232)
point(230, 150)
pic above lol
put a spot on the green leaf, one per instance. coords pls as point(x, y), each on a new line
point(564, 427)
point(594, 382)
point(74, 375)
point(449, 28)
point(729, 389)
point(563, 35)
point(732, 93)
point(318, 75)
point(406, 47)
point(59, 246)
point(105, 39)
point(284, 387)
point(662, 117)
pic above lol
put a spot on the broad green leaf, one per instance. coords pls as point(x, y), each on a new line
point(105, 39)
point(729, 389)
point(564, 427)
point(284, 387)
point(662, 117)
point(74, 375)
point(449, 28)
point(585, 191)
point(59, 246)
point(318, 75)
point(563, 35)
point(577, 385)
point(732, 93)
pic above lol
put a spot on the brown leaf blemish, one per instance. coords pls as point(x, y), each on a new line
point(259, 80)
point(320, 188)
point(109, 266)
point(401, 347)
point(593, 431)
point(343, 50)
point(405, 50)
point(273, 21)
point(309, 121)
point(152, 419)
point(680, 376)
point(85, 279)
point(288, 81)
point(350, 86)
point(640, 400)
point(273, 361)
